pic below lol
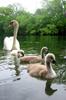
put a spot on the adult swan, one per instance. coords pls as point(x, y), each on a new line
point(11, 43)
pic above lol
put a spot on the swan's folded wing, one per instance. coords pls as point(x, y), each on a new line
point(7, 43)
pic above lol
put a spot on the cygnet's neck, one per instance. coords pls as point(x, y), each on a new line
point(42, 54)
point(49, 66)
point(51, 72)
point(16, 61)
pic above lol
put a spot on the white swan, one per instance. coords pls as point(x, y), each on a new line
point(45, 71)
point(11, 43)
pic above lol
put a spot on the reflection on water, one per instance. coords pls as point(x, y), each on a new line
point(48, 90)
point(17, 81)
point(8, 67)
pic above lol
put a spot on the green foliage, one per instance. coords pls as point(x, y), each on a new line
point(49, 29)
point(51, 19)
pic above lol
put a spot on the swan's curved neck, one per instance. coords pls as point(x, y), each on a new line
point(16, 30)
point(15, 36)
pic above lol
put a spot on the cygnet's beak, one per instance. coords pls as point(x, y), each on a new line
point(54, 61)
point(20, 54)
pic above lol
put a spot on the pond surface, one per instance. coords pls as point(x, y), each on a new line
point(16, 84)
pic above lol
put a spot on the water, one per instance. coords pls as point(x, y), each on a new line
point(16, 84)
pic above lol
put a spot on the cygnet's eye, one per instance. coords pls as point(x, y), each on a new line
point(51, 58)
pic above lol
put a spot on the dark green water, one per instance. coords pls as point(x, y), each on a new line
point(16, 84)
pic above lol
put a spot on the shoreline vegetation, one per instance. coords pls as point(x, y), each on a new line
point(49, 20)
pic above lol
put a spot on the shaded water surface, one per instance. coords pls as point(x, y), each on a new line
point(16, 84)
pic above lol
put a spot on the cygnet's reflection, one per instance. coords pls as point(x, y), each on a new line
point(16, 68)
point(17, 73)
point(48, 90)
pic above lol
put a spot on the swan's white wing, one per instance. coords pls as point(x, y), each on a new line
point(8, 42)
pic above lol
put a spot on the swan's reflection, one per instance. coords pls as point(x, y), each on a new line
point(7, 58)
point(14, 64)
point(48, 90)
